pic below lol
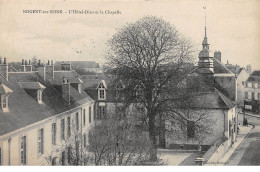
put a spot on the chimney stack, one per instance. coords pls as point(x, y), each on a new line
point(249, 69)
point(66, 66)
point(50, 69)
point(4, 69)
point(66, 90)
point(26, 67)
point(217, 55)
point(42, 70)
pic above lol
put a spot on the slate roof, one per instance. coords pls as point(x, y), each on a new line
point(25, 110)
point(255, 76)
point(32, 85)
point(77, 64)
point(210, 100)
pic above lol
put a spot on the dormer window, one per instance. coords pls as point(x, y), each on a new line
point(34, 89)
point(39, 96)
point(102, 90)
point(101, 94)
point(4, 93)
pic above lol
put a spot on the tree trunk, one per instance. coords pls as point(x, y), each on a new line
point(153, 151)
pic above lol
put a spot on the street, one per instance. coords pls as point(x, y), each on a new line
point(248, 152)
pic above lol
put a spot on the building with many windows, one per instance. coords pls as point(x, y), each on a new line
point(252, 92)
point(45, 115)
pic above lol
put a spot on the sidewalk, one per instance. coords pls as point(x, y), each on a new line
point(240, 137)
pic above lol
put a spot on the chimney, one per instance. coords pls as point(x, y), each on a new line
point(217, 55)
point(66, 66)
point(249, 69)
point(26, 67)
point(50, 69)
point(4, 69)
point(66, 90)
point(42, 71)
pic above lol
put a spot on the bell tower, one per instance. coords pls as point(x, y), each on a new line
point(205, 63)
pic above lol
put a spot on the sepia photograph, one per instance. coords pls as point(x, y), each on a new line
point(129, 83)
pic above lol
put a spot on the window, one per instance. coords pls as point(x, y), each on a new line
point(68, 127)
point(0, 156)
point(77, 152)
point(258, 96)
point(62, 129)
point(23, 150)
point(40, 141)
point(85, 140)
point(101, 112)
point(69, 154)
point(250, 84)
point(246, 84)
point(77, 121)
point(84, 117)
point(249, 95)
point(4, 102)
point(101, 91)
point(246, 95)
point(102, 94)
point(53, 133)
point(139, 91)
point(39, 96)
point(53, 161)
point(89, 112)
point(253, 96)
point(191, 129)
point(63, 158)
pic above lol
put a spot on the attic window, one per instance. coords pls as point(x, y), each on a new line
point(39, 96)
point(4, 102)
point(4, 93)
point(101, 92)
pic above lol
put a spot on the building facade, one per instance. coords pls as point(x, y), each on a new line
point(45, 116)
point(252, 92)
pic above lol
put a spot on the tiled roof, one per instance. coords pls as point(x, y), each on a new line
point(25, 110)
point(255, 76)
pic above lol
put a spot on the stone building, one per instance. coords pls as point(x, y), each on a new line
point(215, 97)
point(252, 92)
point(44, 117)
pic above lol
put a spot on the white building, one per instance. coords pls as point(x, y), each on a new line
point(44, 117)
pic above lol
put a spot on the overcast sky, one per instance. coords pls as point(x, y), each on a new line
point(233, 27)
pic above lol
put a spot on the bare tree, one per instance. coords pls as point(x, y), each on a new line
point(119, 141)
point(151, 58)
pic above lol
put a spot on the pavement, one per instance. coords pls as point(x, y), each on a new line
point(243, 131)
point(178, 157)
point(248, 152)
